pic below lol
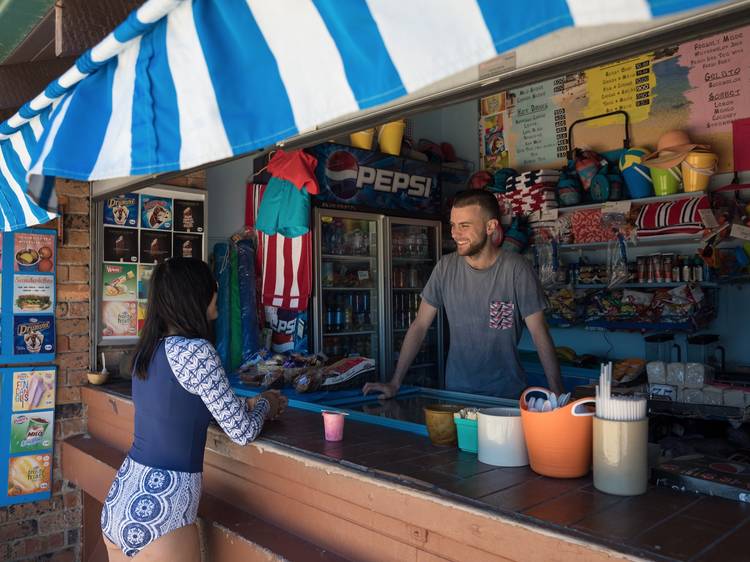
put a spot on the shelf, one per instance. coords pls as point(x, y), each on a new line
point(643, 201)
point(408, 288)
point(337, 257)
point(396, 330)
point(349, 289)
point(360, 333)
point(582, 286)
point(663, 240)
point(400, 259)
point(698, 411)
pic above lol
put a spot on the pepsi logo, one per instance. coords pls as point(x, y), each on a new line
point(341, 174)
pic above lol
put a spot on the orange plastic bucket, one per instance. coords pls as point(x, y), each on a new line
point(559, 442)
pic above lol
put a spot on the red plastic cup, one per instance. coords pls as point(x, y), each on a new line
point(333, 423)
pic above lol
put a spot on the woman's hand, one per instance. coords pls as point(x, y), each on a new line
point(276, 401)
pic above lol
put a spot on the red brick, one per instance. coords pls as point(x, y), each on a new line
point(61, 309)
point(79, 309)
point(72, 427)
point(79, 343)
point(71, 187)
point(77, 377)
point(17, 530)
point(72, 499)
point(72, 326)
point(67, 555)
point(77, 205)
point(62, 344)
point(73, 256)
point(76, 222)
point(24, 511)
point(60, 520)
point(68, 395)
point(78, 273)
point(77, 239)
point(62, 273)
point(73, 292)
point(73, 360)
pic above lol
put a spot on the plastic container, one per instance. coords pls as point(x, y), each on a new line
point(333, 425)
point(362, 139)
point(697, 169)
point(390, 136)
point(441, 426)
point(467, 434)
point(666, 182)
point(558, 442)
point(500, 437)
point(621, 456)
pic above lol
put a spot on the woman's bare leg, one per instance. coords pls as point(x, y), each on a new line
point(181, 544)
point(113, 551)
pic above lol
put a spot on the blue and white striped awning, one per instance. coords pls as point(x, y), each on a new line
point(182, 83)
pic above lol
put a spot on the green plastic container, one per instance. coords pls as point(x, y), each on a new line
point(467, 434)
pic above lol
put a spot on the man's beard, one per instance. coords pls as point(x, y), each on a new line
point(475, 248)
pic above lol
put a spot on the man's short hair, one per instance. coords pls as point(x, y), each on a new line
point(486, 201)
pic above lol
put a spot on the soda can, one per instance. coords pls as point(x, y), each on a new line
point(641, 262)
point(658, 268)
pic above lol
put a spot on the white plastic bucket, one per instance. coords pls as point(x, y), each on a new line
point(500, 437)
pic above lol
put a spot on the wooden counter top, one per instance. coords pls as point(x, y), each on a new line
point(406, 497)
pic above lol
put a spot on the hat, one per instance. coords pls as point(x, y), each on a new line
point(671, 150)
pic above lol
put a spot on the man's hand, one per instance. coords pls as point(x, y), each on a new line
point(387, 390)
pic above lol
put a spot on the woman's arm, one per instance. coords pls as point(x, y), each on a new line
point(198, 369)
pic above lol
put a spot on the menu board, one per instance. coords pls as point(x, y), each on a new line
point(27, 428)
point(141, 230)
point(698, 86)
point(27, 296)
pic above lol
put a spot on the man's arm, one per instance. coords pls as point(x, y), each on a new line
point(409, 349)
point(545, 348)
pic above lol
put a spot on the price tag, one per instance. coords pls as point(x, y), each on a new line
point(708, 218)
point(741, 232)
point(548, 215)
point(363, 275)
point(616, 207)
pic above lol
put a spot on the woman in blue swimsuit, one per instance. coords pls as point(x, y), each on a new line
point(179, 384)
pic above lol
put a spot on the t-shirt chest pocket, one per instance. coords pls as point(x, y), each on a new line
point(501, 314)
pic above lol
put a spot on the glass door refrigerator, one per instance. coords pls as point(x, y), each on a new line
point(347, 302)
point(369, 273)
point(412, 250)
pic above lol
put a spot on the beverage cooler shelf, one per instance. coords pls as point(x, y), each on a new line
point(354, 333)
point(408, 288)
point(413, 260)
point(348, 288)
point(341, 257)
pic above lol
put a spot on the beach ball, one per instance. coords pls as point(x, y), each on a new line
point(341, 174)
point(631, 157)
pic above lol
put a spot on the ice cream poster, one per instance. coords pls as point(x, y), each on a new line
point(120, 245)
point(31, 432)
point(119, 282)
point(29, 474)
point(33, 390)
point(34, 252)
point(122, 210)
point(144, 280)
point(119, 319)
point(33, 335)
point(188, 246)
point(156, 212)
point(188, 215)
point(155, 246)
point(33, 294)
point(141, 316)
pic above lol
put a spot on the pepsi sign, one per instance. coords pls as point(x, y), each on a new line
point(351, 178)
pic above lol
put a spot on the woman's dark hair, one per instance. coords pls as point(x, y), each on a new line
point(179, 294)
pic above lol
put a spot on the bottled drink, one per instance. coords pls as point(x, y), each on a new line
point(423, 244)
point(359, 310)
point(330, 317)
point(349, 313)
point(339, 321)
point(366, 309)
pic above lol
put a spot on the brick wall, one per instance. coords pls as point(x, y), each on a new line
point(50, 530)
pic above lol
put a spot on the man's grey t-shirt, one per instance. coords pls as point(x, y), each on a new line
point(485, 309)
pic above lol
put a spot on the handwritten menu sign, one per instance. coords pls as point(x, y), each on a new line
point(720, 79)
point(624, 85)
point(533, 122)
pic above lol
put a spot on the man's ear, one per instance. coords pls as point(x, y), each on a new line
point(493, 225)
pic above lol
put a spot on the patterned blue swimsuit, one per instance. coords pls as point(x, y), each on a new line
point(158, 486)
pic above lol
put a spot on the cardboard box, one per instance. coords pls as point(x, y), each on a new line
point(725, 478)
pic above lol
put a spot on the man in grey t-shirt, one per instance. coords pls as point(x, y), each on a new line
point(488, 294)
